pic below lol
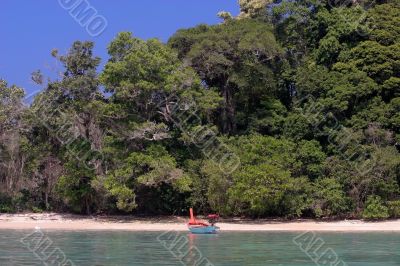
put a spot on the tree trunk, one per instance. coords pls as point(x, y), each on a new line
point(46, 196)
point(87, 205)
point(228, 111)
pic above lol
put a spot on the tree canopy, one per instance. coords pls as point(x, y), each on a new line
point(290, 109)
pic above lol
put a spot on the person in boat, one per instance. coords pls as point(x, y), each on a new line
point(212, 219)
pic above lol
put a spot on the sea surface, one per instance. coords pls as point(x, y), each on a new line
point(171, 248)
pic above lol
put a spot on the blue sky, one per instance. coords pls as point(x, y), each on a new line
point(30, 29)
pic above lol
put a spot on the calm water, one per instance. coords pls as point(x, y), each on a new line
point(131, 248)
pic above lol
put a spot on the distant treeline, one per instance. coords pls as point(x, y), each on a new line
point(290, 109)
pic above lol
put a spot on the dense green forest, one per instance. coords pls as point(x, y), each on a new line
point(290, 109)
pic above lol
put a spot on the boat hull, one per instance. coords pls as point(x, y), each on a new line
point(203, 229)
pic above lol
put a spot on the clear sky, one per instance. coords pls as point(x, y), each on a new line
point(30, 29)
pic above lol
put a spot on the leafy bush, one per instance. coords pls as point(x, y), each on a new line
point(6, 204)
point(329, 198)
point(6, 208)
point(36, 210)
point(297, 200)
point(394, 208)
point(375, 209)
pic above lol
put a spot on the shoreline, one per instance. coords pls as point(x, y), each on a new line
point(54, 221)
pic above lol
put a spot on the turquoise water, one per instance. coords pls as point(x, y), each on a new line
point(226, 248)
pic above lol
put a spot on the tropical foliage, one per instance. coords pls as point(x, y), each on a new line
point(290, 109)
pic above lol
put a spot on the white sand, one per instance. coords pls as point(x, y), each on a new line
point(52, 221)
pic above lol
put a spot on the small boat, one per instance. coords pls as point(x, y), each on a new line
point(198, 227)
point(203, 229)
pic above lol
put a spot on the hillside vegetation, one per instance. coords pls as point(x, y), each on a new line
point(290, 109)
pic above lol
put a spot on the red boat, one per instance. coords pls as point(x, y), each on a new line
point(199, 227)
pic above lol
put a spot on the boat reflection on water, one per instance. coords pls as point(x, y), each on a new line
point(194, 255)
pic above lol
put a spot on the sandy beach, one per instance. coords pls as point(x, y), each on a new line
point(53, 221)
